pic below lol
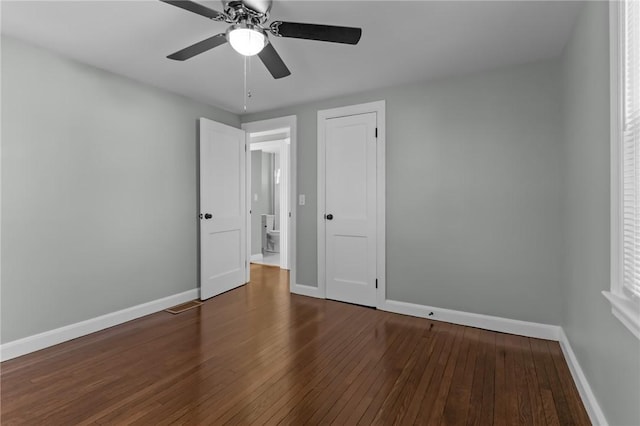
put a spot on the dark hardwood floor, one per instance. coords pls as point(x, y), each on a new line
point(258, 355)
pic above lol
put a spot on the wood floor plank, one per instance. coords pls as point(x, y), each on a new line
point(435, 396)
point(546, 393)
point(388, 407)
point(457, 404)
point(213, 407)
point(351, 397)
point(523, 400)
point(303, 404)
point(501, 403)
point(260, 355)
point(533, 387)
point(560, 402)
point(322, 398)
point(456, 362)
point(393, 371)
point(574, 403)
point(485, 343)
point(353, 413)
point(397, 403)
point(300, 383)
point(444, 335)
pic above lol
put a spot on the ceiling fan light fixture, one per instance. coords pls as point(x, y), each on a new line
point(246, 39)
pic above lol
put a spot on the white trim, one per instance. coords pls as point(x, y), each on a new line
point(487, 322)
point(289, 121)
point(43, 340)
point(286, 199)
point(379, 107)
point(623, 307)
point(247, 204)
point(256, 257)
point(626, 311)
point(1, 174)
point(615, 182)
point(275, 144)
point(307, 290)
point(586, 394)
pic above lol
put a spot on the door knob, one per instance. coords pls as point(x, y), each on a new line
point(328, 216)
point(208, 215)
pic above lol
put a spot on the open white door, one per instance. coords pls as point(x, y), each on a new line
point(222, 208)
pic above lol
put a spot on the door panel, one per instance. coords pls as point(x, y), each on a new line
point(350, 197)
point(222, 195)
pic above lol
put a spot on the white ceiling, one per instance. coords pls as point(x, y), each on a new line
point(403, 41)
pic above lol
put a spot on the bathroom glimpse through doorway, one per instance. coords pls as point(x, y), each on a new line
point(269, 192)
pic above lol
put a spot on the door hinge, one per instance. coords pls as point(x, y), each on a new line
point(376, 283)
point(376, 132)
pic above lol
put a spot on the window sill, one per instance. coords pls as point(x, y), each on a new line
point(626, 310)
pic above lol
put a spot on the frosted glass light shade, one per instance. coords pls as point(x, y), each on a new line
point(246, 41)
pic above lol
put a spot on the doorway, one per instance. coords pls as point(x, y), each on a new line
point(270, 188)
point(351, 204)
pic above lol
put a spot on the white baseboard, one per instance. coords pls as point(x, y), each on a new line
point(43, 340)
point(487, 322)
point(588, 398)
point(306, 290)
point(256, 257)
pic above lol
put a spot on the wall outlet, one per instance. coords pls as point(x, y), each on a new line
point(301, 199)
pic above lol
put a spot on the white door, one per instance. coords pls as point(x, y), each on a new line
point(350, 208)
point(222, 208)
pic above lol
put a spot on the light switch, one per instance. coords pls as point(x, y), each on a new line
point(301, 199)
point(255, 197)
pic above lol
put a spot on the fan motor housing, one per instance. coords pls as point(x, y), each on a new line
point(247, 9)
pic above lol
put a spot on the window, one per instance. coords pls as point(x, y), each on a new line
point(625, 163)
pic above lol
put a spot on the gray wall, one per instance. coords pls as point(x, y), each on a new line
point(608, 353)
point(473, 191)
point(98, 191)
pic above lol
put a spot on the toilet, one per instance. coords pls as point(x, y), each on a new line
point(273, 241)
point(270, 236)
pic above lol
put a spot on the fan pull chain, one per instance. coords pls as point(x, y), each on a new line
point(244, 90)
point(247, 71)
point(248, 75)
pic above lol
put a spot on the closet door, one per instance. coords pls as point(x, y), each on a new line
point(350, 208)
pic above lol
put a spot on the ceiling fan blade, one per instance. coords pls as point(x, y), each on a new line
point(196, 8)
point(347, 35)
point(273, 62)
point(198, 48)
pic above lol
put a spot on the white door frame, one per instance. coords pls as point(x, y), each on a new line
point(262, 126)
point(379, 108)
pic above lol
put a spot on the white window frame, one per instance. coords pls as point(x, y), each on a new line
point(624, 306)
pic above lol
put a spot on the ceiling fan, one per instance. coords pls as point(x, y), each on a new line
point(248, 33)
